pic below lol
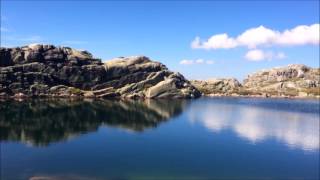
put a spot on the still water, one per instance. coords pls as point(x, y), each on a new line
point(206, 138)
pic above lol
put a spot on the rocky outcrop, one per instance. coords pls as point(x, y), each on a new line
point(217, 86)
point(46, 70)
point(291, 80)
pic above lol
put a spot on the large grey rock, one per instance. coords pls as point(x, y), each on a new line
point(217, 85)
point(138, 76)
point(44, 54)
point(36, 70)
point(291, 80)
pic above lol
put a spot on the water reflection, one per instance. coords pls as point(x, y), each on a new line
point(258, 122)
point(40, 122)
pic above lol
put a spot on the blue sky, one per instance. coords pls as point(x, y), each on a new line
point(165, 30)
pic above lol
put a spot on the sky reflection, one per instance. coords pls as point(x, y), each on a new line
point(258, 123)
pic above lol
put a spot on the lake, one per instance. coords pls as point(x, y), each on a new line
point(206, 138)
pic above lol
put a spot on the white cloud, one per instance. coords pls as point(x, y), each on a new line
point(256, 36)
point(255, 55)
point(209, 61)
point(197, 61)
point(300, 35)
point(219, 41)
point(280, 55)
point(259, 55)
point(196, 43)
point(186, 62)
point(262, 36)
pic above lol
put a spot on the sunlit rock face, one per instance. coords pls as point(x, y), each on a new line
point(47, 70)
point(294, 79)
point(259, 122)
point(217, 85)
point(41, 122)
point(138, 76)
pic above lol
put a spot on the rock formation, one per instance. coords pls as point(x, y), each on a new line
point(217, 86)
point(46, 70)
point(289, 81)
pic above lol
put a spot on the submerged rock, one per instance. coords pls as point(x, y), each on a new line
point(46, 70)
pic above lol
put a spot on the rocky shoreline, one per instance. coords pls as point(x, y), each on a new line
point(261, 96)
point(48, 71)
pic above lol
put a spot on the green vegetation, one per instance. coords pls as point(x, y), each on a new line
point(75, 91)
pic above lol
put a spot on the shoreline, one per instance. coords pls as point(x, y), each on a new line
point(262, 96)
point(76, 97)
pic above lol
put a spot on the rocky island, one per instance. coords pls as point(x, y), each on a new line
point(295, 80)
point(46, 70)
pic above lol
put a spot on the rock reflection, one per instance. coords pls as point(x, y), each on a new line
point(40, 122)
point(255, 123)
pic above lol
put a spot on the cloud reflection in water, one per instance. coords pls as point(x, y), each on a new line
point(258, 123)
